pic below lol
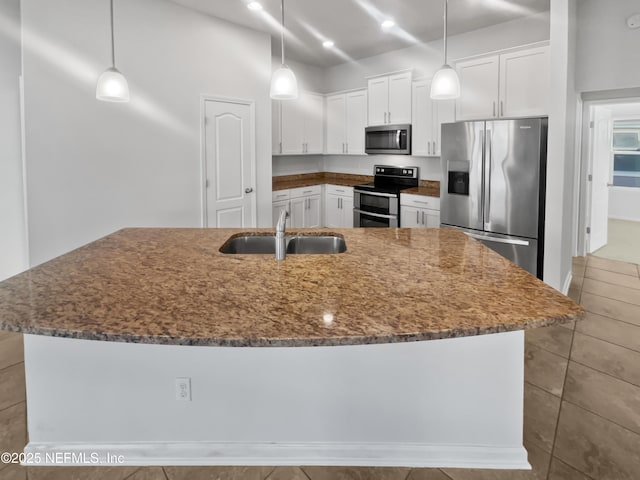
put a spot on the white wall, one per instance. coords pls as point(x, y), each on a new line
point(561, 156)
point(95, 167)
point(607, 54)
point(13, 242)
point(624, 203)
point(425, 59)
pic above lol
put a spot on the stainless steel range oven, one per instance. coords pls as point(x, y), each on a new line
point(377, 204)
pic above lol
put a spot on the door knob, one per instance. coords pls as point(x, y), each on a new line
point(248, 190)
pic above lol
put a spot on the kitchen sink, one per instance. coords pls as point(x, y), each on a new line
point(300, 245)
point(316, 245)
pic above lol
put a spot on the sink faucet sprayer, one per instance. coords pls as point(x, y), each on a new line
point(281, 244)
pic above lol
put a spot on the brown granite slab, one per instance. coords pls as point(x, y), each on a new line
point(285, 182)
point(429, 188)
point(173, 286)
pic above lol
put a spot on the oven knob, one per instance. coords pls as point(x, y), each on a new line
point(410, 172)
point(404, 172)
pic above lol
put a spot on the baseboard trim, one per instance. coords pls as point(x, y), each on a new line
point(280, 454)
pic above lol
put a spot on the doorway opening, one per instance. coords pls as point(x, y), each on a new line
point(610, 203)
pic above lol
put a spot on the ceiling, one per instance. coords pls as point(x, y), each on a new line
point(354, 25)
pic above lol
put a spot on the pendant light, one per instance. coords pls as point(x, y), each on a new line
point(445, 84)
point(284, 85)
point(112, 86)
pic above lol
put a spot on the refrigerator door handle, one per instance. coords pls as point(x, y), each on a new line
point(487, 180)
point(489, 238)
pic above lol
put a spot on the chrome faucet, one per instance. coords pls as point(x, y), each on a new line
point(281, 244)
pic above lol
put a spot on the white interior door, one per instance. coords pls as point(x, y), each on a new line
point(601, 152)
point(229, 165)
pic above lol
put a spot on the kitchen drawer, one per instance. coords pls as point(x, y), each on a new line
point(305, 191)
point(338, 190)
point(278, 195)
point(420, 201)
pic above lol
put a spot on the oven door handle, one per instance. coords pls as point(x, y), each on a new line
point(376, 194)
point(379, 215)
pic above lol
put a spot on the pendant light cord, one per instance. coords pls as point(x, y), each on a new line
point(281, 30)
point(113, 44)
point(446, 2)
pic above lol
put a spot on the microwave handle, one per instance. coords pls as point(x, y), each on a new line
point(398, 139)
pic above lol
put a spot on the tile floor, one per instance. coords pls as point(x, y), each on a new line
point(582, 401)
point(623, 238)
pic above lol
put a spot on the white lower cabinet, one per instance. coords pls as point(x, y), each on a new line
point(305, 206)
point(338, 207)
point(419, 211)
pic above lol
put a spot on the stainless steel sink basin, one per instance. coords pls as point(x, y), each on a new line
point(263, 244)
point(316, 245)
point(266, 244)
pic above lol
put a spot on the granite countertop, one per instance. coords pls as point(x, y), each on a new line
point(173, 286)
point(429, 188)
point(309, 179)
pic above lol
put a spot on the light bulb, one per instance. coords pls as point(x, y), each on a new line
point(255, 6)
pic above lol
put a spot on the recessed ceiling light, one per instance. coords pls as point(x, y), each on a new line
point(328, 44)
point(254, 6)
point(387, 24)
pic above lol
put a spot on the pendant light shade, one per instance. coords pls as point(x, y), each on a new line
point(445, 84)
point(112, 85)
point(284, 85)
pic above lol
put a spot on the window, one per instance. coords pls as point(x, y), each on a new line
point(626, 153)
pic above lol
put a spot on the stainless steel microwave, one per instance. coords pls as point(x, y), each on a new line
point(388, 139)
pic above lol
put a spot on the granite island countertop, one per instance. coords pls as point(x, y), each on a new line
point(173, 286)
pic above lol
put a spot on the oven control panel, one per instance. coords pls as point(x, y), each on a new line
point(396, 172)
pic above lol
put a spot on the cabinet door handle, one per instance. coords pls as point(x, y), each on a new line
point(346, 147)
point(428, 148)
point(422, 218)
point(280, 147)
point(501, 108)
point(494, 109)
point(434, 148)
point(385, 117)
point(389, 116)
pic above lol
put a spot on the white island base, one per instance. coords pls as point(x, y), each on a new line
point(441, 403)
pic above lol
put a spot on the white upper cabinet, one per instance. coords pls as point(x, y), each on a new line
point(356, 121)
point(389, 99)
point(313, 118)
point(301, 125)
point(479, 80)
point(336, 124)
point(378, 100)
point(275, 128)
point(525, 80)
point(292, 128)
point(512, 84)
point(428, 117)
point(400, 98)
point(346, 121)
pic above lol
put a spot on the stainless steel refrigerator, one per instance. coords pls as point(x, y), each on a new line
point(493, 188)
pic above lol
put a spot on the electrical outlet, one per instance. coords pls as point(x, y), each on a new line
point(183, 389)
